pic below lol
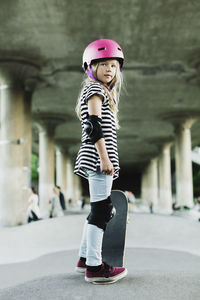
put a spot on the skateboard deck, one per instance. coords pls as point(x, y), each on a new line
point(114, 236)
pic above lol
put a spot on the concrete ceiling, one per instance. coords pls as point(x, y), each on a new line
point(42, 42)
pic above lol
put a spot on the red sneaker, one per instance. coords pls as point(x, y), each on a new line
point(106, 274)
point(81, 266)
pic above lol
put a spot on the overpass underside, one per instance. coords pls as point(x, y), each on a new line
point(41, 46)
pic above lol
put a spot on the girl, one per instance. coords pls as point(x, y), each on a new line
point(33, 208)
point(97, 159)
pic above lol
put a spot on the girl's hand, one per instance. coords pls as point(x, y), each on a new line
point(107, 167)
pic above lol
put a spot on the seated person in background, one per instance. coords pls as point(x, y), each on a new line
point(56, 209)
point(33, 211)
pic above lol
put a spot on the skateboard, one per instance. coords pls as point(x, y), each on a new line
point(115, 233)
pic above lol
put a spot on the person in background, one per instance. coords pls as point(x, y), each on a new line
point(197, 205)
point(131, 200)
point(33, 211)
point(195, 211)
point(150, 204)
point(56, 209)
point(62, 198)
point(82, 202)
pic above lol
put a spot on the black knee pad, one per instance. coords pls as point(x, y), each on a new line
point(101, 213)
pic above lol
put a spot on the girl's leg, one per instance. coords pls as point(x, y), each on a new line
point(94, 245)
point(100, 186)
point(101, 208)
point(83, 246)
point(81, 266)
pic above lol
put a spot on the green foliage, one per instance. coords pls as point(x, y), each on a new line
point(34, 167)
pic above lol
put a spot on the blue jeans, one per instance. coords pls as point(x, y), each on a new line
point(100, 185)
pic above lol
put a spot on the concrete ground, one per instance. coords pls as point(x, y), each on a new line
point(37, 260)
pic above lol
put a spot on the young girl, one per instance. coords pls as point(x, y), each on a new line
point(97, 159)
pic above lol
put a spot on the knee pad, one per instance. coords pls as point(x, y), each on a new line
point(101, 213)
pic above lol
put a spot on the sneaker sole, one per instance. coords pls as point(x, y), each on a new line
point(80, 270)
point(103, 282)
point(108, 280)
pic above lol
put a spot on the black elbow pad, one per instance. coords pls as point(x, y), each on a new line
point(93, 128)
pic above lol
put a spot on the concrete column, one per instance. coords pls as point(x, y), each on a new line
point(144, 186)
point(27, 144)
point(165, 192)
point(69, 182)
point(184, 184)
point(46, 167)
point(61, 171)
point(150, 183)
point(15, 155)
point(77, 189)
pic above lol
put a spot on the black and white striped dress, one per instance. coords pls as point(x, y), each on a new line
point(88, 157)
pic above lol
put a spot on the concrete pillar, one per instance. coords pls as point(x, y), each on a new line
point(46, 167)
point(27, 144)
point(150, 183)
point(184, 182)
point(77, 189)
point(144, 186)
point(165, 192)
point(61, 170)
point(15, 155)
point(69, 182)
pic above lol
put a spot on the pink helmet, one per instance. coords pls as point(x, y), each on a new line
point(101, 49)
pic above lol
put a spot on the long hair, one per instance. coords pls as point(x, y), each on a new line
point(113, 94)
point(33, 190)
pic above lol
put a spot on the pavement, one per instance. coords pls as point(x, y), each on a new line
point(162, 256)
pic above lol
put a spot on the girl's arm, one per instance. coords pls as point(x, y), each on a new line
point(94, 108)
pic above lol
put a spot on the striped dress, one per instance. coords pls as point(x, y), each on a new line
point(88, 157)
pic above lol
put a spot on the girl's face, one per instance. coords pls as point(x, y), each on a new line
point(106, 70)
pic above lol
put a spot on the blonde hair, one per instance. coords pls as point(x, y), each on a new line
point(56, 191)
point(113, 94)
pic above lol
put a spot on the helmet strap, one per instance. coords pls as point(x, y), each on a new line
point(90, 73)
